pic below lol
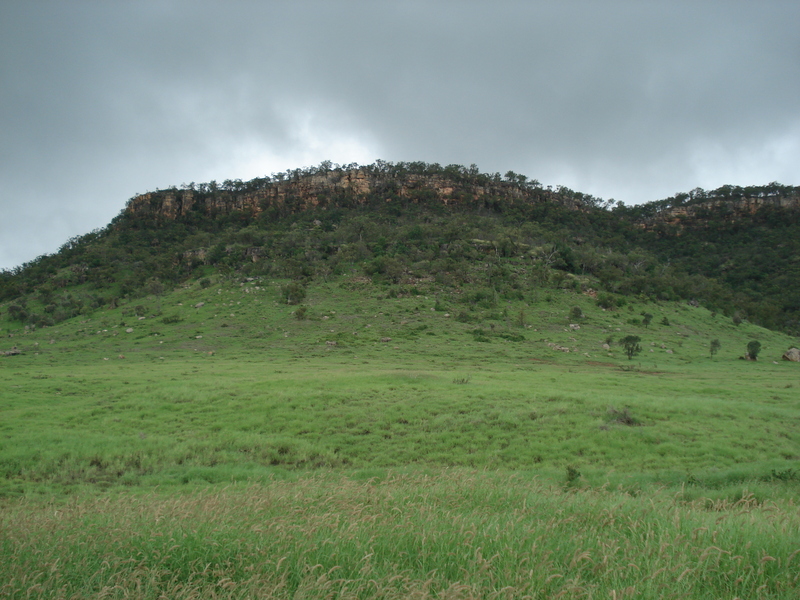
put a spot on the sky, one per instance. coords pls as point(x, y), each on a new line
point(632, 100)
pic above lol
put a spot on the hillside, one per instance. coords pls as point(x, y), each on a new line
point(733, 250)
point(394, 382)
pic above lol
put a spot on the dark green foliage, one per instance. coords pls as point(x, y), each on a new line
point(622, 417)
point(753, 348)
point(665, 322)
point(714, 347)
point(293, 293)
point(610, 301)
point(646, 318)
point(575, 313)
point(573, 475)
point(631, 345)
point(509, 242)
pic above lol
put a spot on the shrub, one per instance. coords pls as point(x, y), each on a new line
point(623, 417)
point(753, 348)
point(293, 293)
point(631, 345)
point(575, 313)
point(714, 347)
point(573, 474)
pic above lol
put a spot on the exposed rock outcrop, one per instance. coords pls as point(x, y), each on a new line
point(736, 208)
point(792, 354)
point(332, 188)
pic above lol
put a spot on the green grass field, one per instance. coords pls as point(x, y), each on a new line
point(396, 442)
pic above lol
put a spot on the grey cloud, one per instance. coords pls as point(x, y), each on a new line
point(635, 100)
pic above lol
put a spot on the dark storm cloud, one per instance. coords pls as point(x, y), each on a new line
point(631, 100)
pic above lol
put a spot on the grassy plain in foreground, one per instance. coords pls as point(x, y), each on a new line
point(451, 534)
point(397, 446)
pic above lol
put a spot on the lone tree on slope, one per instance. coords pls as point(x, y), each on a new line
point(753, 348)
point(631, 345)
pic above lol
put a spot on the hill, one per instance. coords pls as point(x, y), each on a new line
point(733, 250)
point(393, 382)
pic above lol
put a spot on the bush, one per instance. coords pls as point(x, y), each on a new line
point(576, 313)
point(622, 417)
point(631, 345)
point(753, 348)
point(607, 300)
point(293, 293)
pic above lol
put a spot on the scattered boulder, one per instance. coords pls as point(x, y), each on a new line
point(386, 339)
point(331, 343)
point(129, 330)
point(199, 304)
point(792, 354)
point(13, 352)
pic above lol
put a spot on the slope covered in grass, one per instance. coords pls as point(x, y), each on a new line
point(227, 383)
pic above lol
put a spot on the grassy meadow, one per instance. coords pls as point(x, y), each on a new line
point(396, 441)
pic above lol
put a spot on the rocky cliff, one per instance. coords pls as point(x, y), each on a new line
point(731, 208)
point(335, 188)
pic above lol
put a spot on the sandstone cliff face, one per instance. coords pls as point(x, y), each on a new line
point(738, 208)
point(311, 191)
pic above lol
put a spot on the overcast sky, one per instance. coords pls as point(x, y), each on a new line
point(631, 100)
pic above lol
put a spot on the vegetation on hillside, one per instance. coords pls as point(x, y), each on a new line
point(512, 241)
point(516, 393)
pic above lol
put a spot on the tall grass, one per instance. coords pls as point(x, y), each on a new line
point(446, 534)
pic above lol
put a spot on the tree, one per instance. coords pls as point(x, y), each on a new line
point(646, 318)
point(155, 287)
point(631, 345)
point(753, 348)
point(293, 293)
point(714, 347)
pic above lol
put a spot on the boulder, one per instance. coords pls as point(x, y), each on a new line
point(792, 354)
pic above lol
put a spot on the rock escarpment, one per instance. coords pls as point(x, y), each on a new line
point(336, 187)
point(730, 208)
